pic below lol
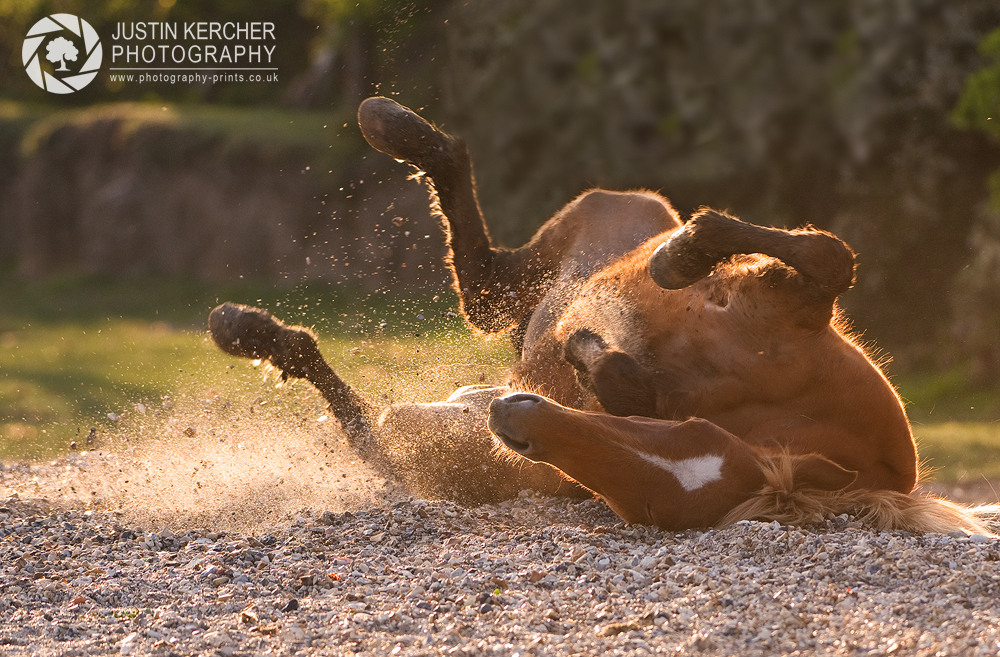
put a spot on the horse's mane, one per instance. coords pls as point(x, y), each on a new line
point(780, 500)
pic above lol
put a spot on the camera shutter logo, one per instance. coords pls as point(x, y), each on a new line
point(56, 38)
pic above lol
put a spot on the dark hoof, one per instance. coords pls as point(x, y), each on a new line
point(669, 271)
point(253, 333)
point(400, 132)
point(244, 331)
point(683, 259)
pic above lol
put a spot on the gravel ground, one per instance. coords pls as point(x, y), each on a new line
point(534, 576)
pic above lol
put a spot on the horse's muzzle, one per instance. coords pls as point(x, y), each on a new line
point(504, 422)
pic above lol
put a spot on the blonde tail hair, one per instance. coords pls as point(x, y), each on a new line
point(780, 500)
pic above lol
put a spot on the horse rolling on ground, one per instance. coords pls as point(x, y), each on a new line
point(692, 374)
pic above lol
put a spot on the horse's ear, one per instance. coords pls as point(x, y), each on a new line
point(818, 472)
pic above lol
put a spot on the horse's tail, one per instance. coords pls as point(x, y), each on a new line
point(780, 500)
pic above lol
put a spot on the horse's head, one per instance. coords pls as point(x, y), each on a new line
point(670, 474)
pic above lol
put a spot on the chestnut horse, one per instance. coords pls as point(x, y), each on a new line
point(691, 374)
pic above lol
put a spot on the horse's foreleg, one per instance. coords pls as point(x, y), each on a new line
point(253, 333)
point(824, 263)
point(496, 287)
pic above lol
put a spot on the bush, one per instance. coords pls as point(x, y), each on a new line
point(976, 327)
point(829, 112)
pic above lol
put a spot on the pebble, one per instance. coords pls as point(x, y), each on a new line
point(535, 575)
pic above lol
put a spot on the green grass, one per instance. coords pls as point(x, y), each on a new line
point(957, 426)
point(946, 397)
point(960, 451)
point(73, 350)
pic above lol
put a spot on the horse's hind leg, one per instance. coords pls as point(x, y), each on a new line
point(499, 287)
point(485, 277)
point(439, 449)
point(824, 264)
point(253, 333)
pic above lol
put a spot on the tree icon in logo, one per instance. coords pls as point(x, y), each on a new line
point(62, 35)
point(60, 49)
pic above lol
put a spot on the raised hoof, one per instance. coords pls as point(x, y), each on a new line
point(244, 331)
point(691, 253)
point(250, 332)
point(400, 132)
point(678, 262)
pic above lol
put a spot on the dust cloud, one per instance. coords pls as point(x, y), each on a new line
point(242, 462)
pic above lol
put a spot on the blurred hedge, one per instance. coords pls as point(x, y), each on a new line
point(839, 113)
point(830, 112)
point(976, 301)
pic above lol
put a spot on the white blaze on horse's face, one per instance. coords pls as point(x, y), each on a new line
point(691, 473)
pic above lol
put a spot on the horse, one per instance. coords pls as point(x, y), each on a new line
point(690, 373)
